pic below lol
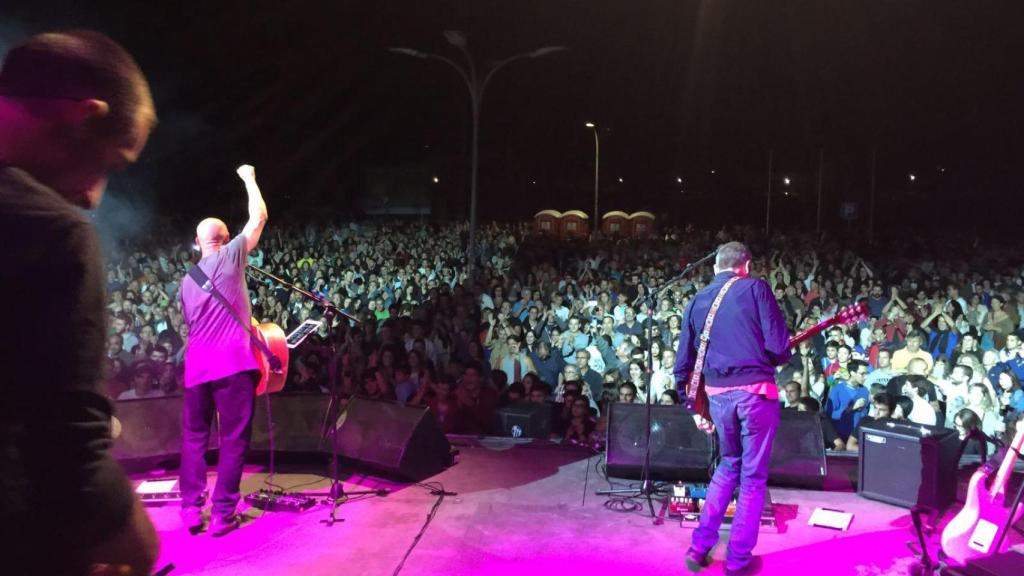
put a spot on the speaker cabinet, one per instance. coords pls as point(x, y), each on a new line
point(300, 423)
point(150, 428)
point(907, 464)
point(679, 451)
point(400, 441)
point(798, 451)
point(526, 420)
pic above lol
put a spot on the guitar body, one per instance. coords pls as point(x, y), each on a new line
point(974, 531)
point(701, 402)
point(274, 337)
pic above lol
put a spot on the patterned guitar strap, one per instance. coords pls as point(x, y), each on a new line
point(697, 398)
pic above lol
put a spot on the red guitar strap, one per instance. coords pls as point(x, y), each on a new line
point(695, 387)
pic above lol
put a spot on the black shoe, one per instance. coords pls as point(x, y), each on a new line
point(221, 526)
point(752, 567)
point(192, 519)
point(696, 561)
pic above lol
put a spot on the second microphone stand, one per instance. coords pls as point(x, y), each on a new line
point(647, 488)
point(336, 495)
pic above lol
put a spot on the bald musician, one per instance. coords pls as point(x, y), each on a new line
point(221, 371)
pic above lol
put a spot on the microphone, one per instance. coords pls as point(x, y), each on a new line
point(686, 271)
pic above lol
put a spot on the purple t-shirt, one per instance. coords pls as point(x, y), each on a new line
point(217, 345)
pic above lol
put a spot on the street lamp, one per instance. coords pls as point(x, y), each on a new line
point(476, 88)
point(597, 161)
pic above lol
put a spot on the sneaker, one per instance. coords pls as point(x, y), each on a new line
point(752, 567)
point(192, 519)
point(220, 526)
point(696, 561)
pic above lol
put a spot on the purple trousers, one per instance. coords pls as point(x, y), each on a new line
point(746, 425)
point(232, 398)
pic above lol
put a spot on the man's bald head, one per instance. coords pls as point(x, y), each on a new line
point(211, 235)
point(917, 367)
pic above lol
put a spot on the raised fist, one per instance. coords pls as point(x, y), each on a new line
point(246, 172)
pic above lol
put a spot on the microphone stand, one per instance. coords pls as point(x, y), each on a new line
point(336, 495)
point(647, 488)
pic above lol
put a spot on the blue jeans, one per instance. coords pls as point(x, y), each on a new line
point(233, 398)
point(746, 425)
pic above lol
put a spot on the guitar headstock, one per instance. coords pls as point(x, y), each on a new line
point(847, 315)
point(853, 313)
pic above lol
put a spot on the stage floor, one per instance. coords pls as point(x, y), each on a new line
point(523, 509)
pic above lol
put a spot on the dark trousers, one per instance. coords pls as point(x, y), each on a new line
point(746, 425)
point(232, 399)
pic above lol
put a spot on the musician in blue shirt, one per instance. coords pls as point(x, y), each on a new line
point(748, 339)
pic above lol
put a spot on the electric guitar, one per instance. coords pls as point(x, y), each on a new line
point(974, 531)
point(272, 376)
point(846, 315)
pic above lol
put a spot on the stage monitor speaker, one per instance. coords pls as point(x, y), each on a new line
point(907, 464)
point(798, 451)
point(149, 428)
point(679, 451)
point(526, 420)
point(299, 423)
point(401, 441)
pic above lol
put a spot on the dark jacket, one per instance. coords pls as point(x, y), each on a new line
point(548, 369)
point(748, 339)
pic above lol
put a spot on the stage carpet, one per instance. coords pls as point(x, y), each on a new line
point(522, 509)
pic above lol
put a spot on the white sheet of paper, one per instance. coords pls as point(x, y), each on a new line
point(830, 519)
point(156, 486)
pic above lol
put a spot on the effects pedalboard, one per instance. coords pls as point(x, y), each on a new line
point(278, 501)
point(688, 499)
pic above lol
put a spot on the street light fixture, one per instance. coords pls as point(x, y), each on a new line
point(476, 87)
point(597, 163)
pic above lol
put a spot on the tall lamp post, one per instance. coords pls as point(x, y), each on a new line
point(597, 165)
point(476, 87)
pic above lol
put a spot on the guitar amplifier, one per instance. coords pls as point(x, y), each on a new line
point(908, 464)
point(526, 420)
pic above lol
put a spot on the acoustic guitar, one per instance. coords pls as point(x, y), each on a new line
point(846, 315)
point(273, 371)
point(974, 531)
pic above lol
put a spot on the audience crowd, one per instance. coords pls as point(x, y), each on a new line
point(578, 325)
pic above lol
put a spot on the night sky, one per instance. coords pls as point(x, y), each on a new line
point(308, 92)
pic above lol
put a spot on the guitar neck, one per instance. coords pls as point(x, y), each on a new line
point(1006, 468)
point(813, 331)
